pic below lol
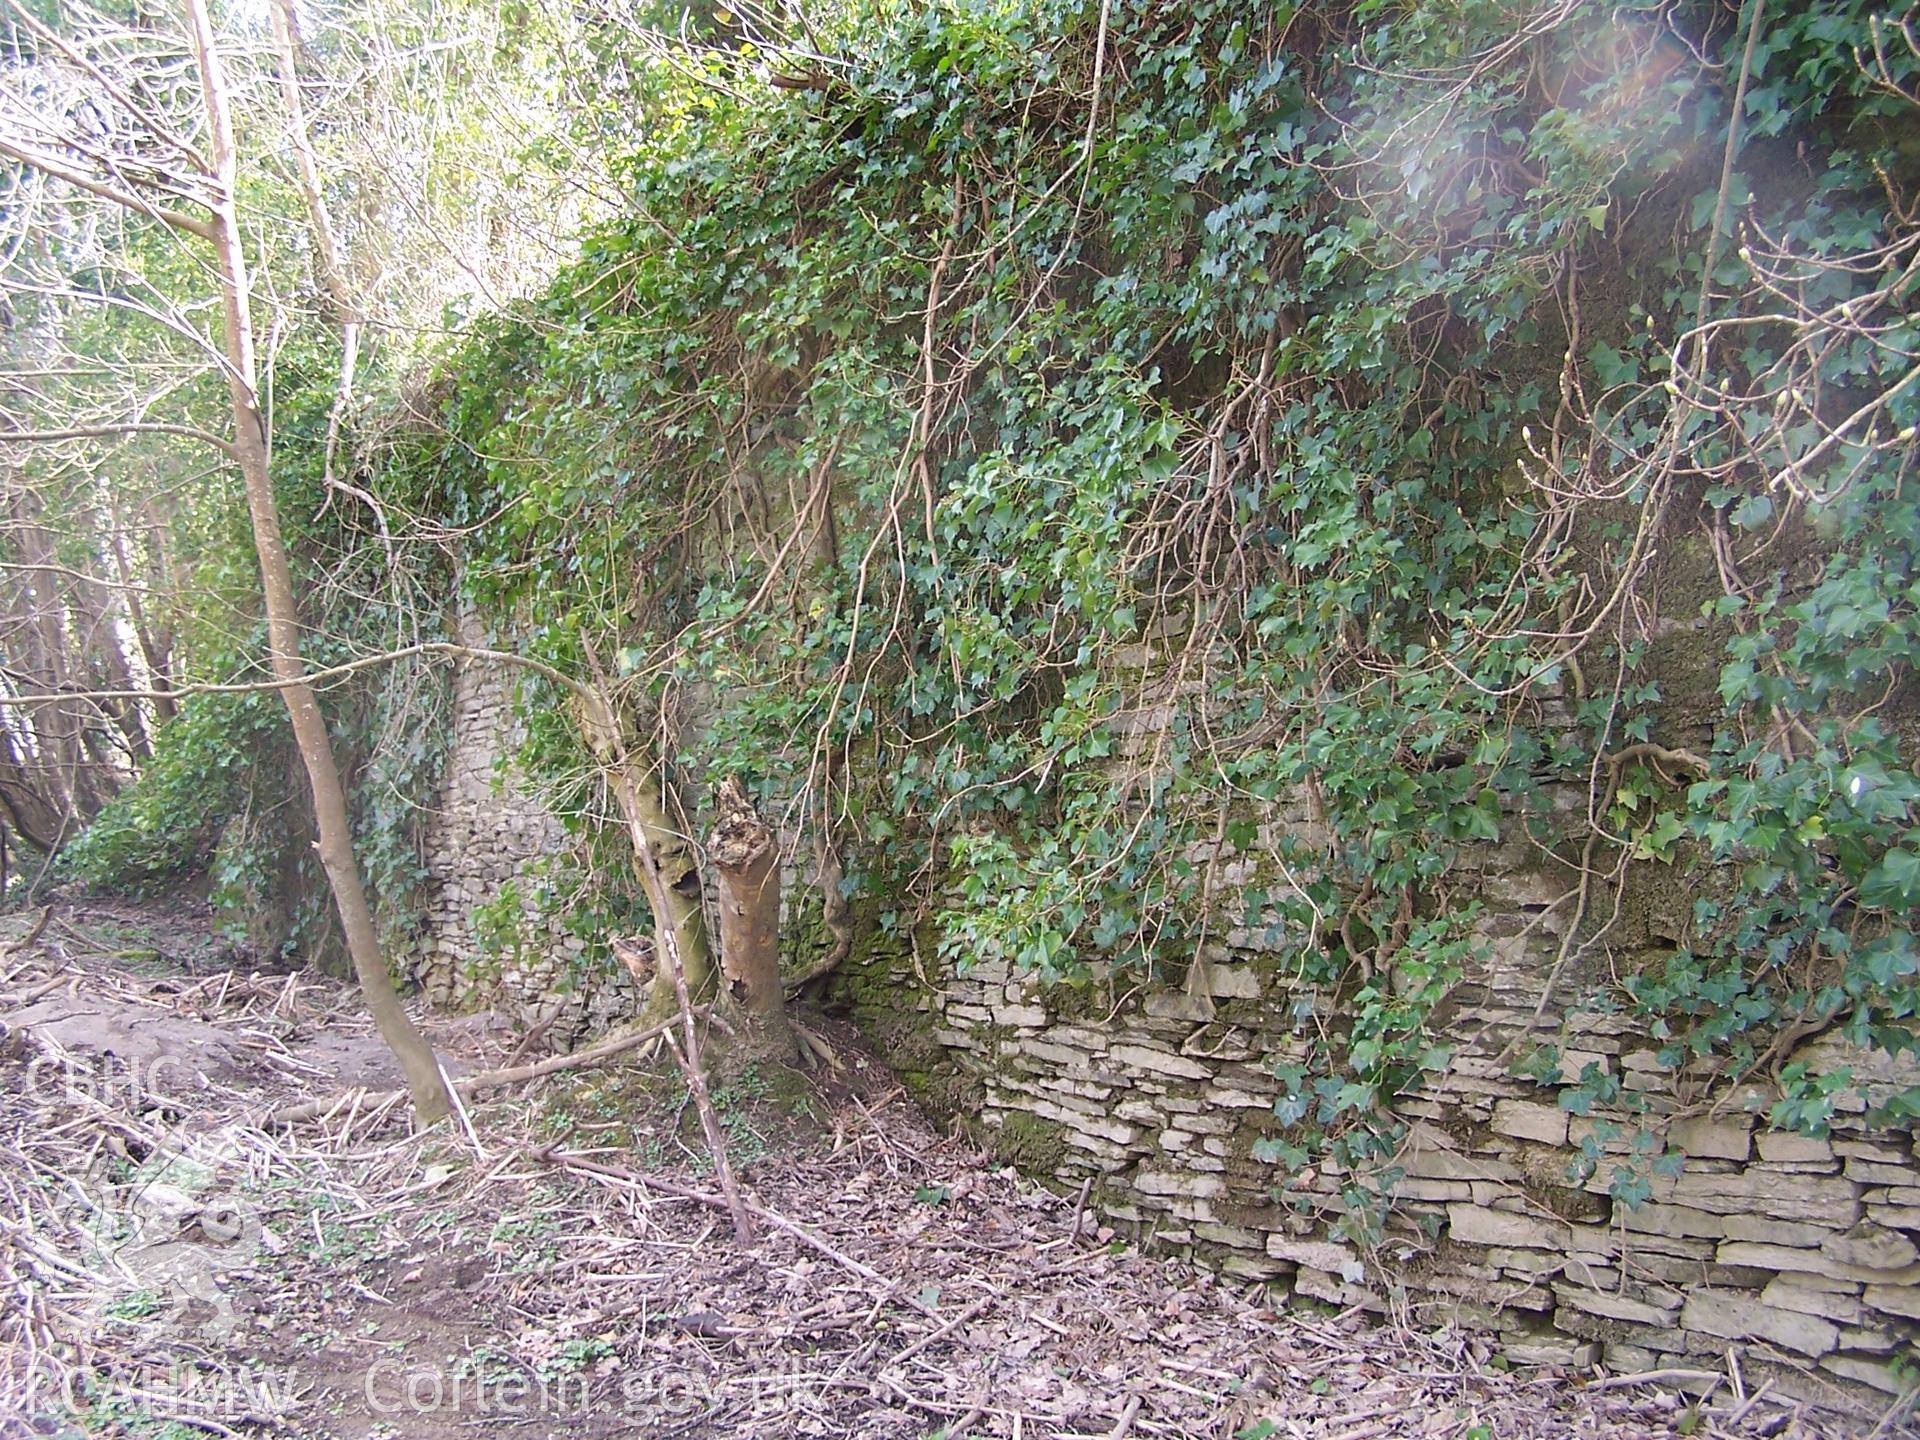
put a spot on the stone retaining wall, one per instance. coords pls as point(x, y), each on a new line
point(1797, 1253)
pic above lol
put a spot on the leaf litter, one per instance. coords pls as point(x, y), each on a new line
point(561, 1265)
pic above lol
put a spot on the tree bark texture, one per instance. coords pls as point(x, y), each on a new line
point(746, 867)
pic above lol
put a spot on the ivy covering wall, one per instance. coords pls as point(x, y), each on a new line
point(1420, 407)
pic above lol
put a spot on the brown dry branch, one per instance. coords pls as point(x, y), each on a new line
point(687, 1054)
point(489, 1079)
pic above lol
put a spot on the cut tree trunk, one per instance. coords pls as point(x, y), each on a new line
point(425, 1082)
point(746, 867)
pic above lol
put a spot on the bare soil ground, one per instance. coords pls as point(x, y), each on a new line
point(175, 1265)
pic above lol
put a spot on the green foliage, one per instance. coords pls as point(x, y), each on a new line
point(1228, 508)
point(165, 826)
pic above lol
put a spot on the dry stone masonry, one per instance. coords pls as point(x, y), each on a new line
point(1799, 1254)
point(484, 943)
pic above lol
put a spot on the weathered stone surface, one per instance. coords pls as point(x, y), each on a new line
point(1678, 1220)
point(1233, 1099)
point(1784, 1147)
point(1794, 1261)
point(1871, 1247)
point(1551, 1350)
point(1873, 1341)
point(1776, 1232)
point(1236, 1237)
point(1064, 1056)
point(1895, 1299)
point(1876, 1172)
point(1243, 1266)
point(1625, 1359)
point(1898, 1217)
point(1233, 982)
point(1162, 1182)
point(1477, 1225)
point(1413, 1188)
point(1317, 1254)
point(1334, 1290)
point(1817, 1198)
point(1792, 1292)
point(1736, 1315)
point(1445, 1164)
point(1176, 1005)
point(1876, 1373)
point(1527, 1120)
point(1610, 1305)
point(1160, 1062)
point(1712, 1139)
point(1531, 1264)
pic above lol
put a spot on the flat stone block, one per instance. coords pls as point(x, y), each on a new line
point(1528, 1120)
point(1712, 1139)
point(1673, 1220)
point(1871, 1247)
point(1611, 1305)
point(1737, 1315)
point(1160, 1062)
point(1322, 1255)
point(1476, 1225)
point(1895, 1300)
point(1875, 1373)
point(1784, 1147)
point(1567, 1354)
point(1791, 1261)
point(1160, 1182)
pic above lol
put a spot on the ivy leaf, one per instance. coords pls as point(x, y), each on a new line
point(1894, 883)
point(1612, 367)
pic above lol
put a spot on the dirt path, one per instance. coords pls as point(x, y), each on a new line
point(175, 1267)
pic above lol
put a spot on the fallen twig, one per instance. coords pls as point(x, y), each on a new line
point(31, 938)
point(1656, 1377)
point(696, 1077)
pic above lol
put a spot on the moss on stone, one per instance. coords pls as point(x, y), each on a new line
point(1028, 1142)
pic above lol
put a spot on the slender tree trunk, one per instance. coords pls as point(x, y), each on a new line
point(662, 855)
point(96, 640)
point(424, 1079)
point(24, 805)
point(746, 866)
point(156, 646)
point(38, 645)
